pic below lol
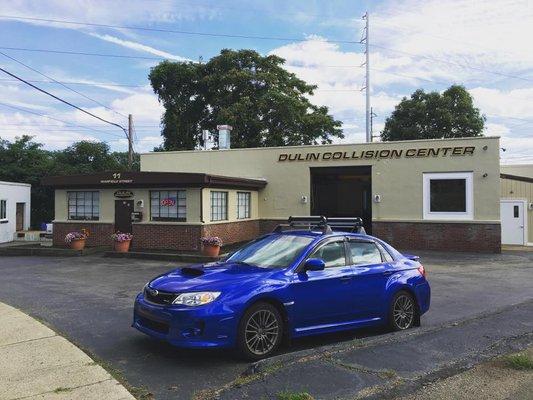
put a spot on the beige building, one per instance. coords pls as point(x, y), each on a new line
point(426, 194)
point(517, 204)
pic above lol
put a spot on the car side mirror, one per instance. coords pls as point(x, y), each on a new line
point(314, 264)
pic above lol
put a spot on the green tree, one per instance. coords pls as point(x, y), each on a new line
point(434, 116)
point(265, 104)
point(25, 161)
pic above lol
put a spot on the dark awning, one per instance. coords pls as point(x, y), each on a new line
point(149, 180)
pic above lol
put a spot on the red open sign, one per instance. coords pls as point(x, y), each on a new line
point(169, 202)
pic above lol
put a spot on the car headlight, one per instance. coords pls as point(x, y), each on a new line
point(196, 298)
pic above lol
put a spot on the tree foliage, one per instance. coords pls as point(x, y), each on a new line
point(24, 160)
point(265, 104)
point(434, 116)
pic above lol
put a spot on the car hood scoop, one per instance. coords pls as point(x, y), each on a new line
point(192, 272)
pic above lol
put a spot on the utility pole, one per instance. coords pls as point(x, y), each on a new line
point(367, 81)
point(372, 115)
point(130, 142)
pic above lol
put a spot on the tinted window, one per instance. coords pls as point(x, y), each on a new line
point(447, 195)
point(272, 251)
point(364, 253)
point(332, 254)
point(386, 255)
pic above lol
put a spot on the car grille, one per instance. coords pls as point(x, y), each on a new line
point(156, 326)
point(159, 297)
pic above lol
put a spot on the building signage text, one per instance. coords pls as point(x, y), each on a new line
point(378, 154)
point(123, 194)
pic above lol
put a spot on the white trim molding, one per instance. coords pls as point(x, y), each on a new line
point(468, 214)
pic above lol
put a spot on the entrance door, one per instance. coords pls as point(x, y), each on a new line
point(123, 210)
point(20, 216)
point(512, 216)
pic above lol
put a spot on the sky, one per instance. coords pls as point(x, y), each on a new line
point(429, 44)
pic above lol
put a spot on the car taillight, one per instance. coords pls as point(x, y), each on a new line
point(422, 270)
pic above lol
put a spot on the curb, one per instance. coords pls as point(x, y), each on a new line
point(36, 362)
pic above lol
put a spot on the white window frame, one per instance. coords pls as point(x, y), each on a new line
point(445, 215)
point(219, 215)
point(181, 203)
point(246, 207)
point(3, 219)
point(70, 192)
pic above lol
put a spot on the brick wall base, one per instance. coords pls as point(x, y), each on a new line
point(167, 237)
point(233, 232)
point(99, 234)
point(470, 237)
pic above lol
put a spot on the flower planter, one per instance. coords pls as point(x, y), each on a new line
point(211, 251)
point(77, 244)
point(122, 247)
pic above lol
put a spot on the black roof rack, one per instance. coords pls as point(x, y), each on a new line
point(315, 222)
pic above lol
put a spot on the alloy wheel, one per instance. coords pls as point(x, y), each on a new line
point(403, 311)
point(261, 332)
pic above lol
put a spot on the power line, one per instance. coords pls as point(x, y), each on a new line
point(75, 83)
point(63, 101)
point(78, 53)
point(233, 36)
point(60, 83)
point(55, 119)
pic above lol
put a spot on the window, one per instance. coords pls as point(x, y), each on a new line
point(448, 195)
point(275, 251)
point(168, 205)
point(219, 206)
point(387, 257)
point(243, 205)
point(332, 254)
point(3, 210)
point(84, 206)
point(364, 253)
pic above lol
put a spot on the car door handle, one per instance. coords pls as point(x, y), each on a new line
point(345, 279)
point(387, 273)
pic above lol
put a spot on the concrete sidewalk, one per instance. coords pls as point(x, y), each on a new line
point(36, 363)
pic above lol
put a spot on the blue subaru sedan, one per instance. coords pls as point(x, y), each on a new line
point(305, 280)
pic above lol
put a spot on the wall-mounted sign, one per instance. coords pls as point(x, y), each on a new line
point(168, 202)
point(123, 194)
point(116, 178)
point(378, 154)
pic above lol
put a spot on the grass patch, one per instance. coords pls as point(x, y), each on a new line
point(519, 362)
point(294, 396)
point(62, 390)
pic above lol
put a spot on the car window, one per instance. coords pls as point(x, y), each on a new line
point(386, 255)
point(364, 253)
point(274, 251)
point(332, 254)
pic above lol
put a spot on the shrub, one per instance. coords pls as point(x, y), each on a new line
point(211, 241)
point(121, 237)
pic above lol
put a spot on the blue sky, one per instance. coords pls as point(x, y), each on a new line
point(427, 44)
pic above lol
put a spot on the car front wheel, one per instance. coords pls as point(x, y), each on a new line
point(260, 331)
point(403, 311)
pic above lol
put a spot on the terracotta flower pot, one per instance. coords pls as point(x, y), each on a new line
point(122, 247)
point(77, 244)
point(211, 251)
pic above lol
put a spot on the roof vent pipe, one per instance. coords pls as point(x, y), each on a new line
point(224, 140)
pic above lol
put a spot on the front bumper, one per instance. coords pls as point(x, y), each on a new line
point(212, 325)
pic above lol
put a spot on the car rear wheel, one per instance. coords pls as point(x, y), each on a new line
point(403, 311)
point(260, 331)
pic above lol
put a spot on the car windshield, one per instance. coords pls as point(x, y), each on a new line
point(275, 251)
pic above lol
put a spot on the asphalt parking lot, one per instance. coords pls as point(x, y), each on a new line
point(89, 300)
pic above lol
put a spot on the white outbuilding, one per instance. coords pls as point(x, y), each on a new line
point(14, 209)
